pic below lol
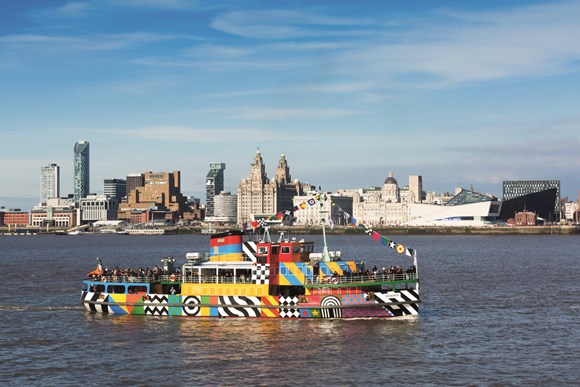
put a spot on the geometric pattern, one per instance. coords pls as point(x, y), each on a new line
point(260, 274)
point(97, 299)
point(331, 312)
point(239, 306)
point(154, 310)
point(368, 311)
point(289, 307)
point(191, 310)
point(409, 298)
point(403, 303)
point(269, 312)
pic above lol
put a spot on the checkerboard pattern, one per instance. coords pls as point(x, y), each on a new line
point(260, 274)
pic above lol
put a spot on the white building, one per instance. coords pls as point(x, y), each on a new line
point(98, 207)
point(336, 210)
point(569, 210)
point(386, 205)
point(49, 182)
point(467, 208)
point(225, 208)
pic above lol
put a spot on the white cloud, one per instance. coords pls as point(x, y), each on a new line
point(282, 24)
point(517, 43)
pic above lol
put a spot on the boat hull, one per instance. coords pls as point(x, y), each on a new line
point(387, 304)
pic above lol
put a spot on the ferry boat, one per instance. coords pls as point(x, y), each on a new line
point(258, 278)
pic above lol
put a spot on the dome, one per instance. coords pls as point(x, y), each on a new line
point(391, 179)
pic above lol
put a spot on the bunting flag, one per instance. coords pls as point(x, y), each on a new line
point(399, 248)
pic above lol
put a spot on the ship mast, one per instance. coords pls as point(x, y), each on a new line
point(325, 253)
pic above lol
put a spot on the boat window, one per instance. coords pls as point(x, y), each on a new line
point(85, 286)
point(263, 250)
point(116, 289)
point(275, 249)
point(99, 288)
point(285, 250)
point(137, 289)
point(296, 249)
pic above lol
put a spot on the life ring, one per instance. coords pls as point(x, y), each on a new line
point(172, 278)
point(334, 280)
point(145, 297)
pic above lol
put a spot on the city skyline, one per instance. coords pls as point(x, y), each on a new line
point(462, 93)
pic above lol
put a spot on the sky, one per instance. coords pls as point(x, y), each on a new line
point(464, 93)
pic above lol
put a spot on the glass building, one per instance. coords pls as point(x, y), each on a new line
point(115, 188)
point(214, 184)
point(541, 196)
point(81, 171)
point(49, 182)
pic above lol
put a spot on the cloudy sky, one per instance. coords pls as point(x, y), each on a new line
point(463, 93)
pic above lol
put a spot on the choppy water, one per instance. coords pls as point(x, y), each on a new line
point(496, 310)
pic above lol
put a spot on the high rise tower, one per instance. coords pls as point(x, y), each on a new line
point(49, 182)
point(214, 184)
point(81, 170)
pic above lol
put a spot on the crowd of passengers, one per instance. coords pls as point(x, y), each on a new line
point(376, 273)
point(134, 275)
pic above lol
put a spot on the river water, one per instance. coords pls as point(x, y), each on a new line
point(496, 310)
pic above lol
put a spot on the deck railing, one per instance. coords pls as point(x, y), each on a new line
point(213, 279)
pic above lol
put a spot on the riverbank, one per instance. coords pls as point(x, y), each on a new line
point(297, 230)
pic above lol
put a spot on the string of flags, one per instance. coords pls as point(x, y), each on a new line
point(398, 247)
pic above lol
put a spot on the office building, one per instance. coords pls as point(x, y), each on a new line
point(539, 196)
point(133, 181)
point(81, 171)
point(49, 182)
point(115, 188)
point(160, 191)
point(98, 207)
point(214, 184)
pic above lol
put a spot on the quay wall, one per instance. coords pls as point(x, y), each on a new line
point(511, 230)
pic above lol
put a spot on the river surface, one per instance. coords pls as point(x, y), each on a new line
point(496, 310)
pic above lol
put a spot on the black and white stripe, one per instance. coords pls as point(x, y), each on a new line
point(331, 312)
point(93, 302)
point(250, 249)
point(408, 299)
point(235, 306)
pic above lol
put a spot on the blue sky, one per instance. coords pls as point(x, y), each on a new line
point(463, 93)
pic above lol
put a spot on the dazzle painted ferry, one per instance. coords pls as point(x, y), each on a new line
point(262, 278)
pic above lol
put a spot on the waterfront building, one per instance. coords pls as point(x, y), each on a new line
point(14, 218)
point(260, 196)
point(415, 189)
point(570, 208)
point(133, 181)
point(539, 196)
point(49, 182)
point(98, 207)
point(336, 210)
point(81, 171)
point(388, 204)
point(161, 191)
point(466, 208)
point(115, 188)
point(214, 184)
point(226, 208)
point(62, 216)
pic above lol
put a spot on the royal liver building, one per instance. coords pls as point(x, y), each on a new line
point(258, 195)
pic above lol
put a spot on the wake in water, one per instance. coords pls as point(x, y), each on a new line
point(27, 308)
